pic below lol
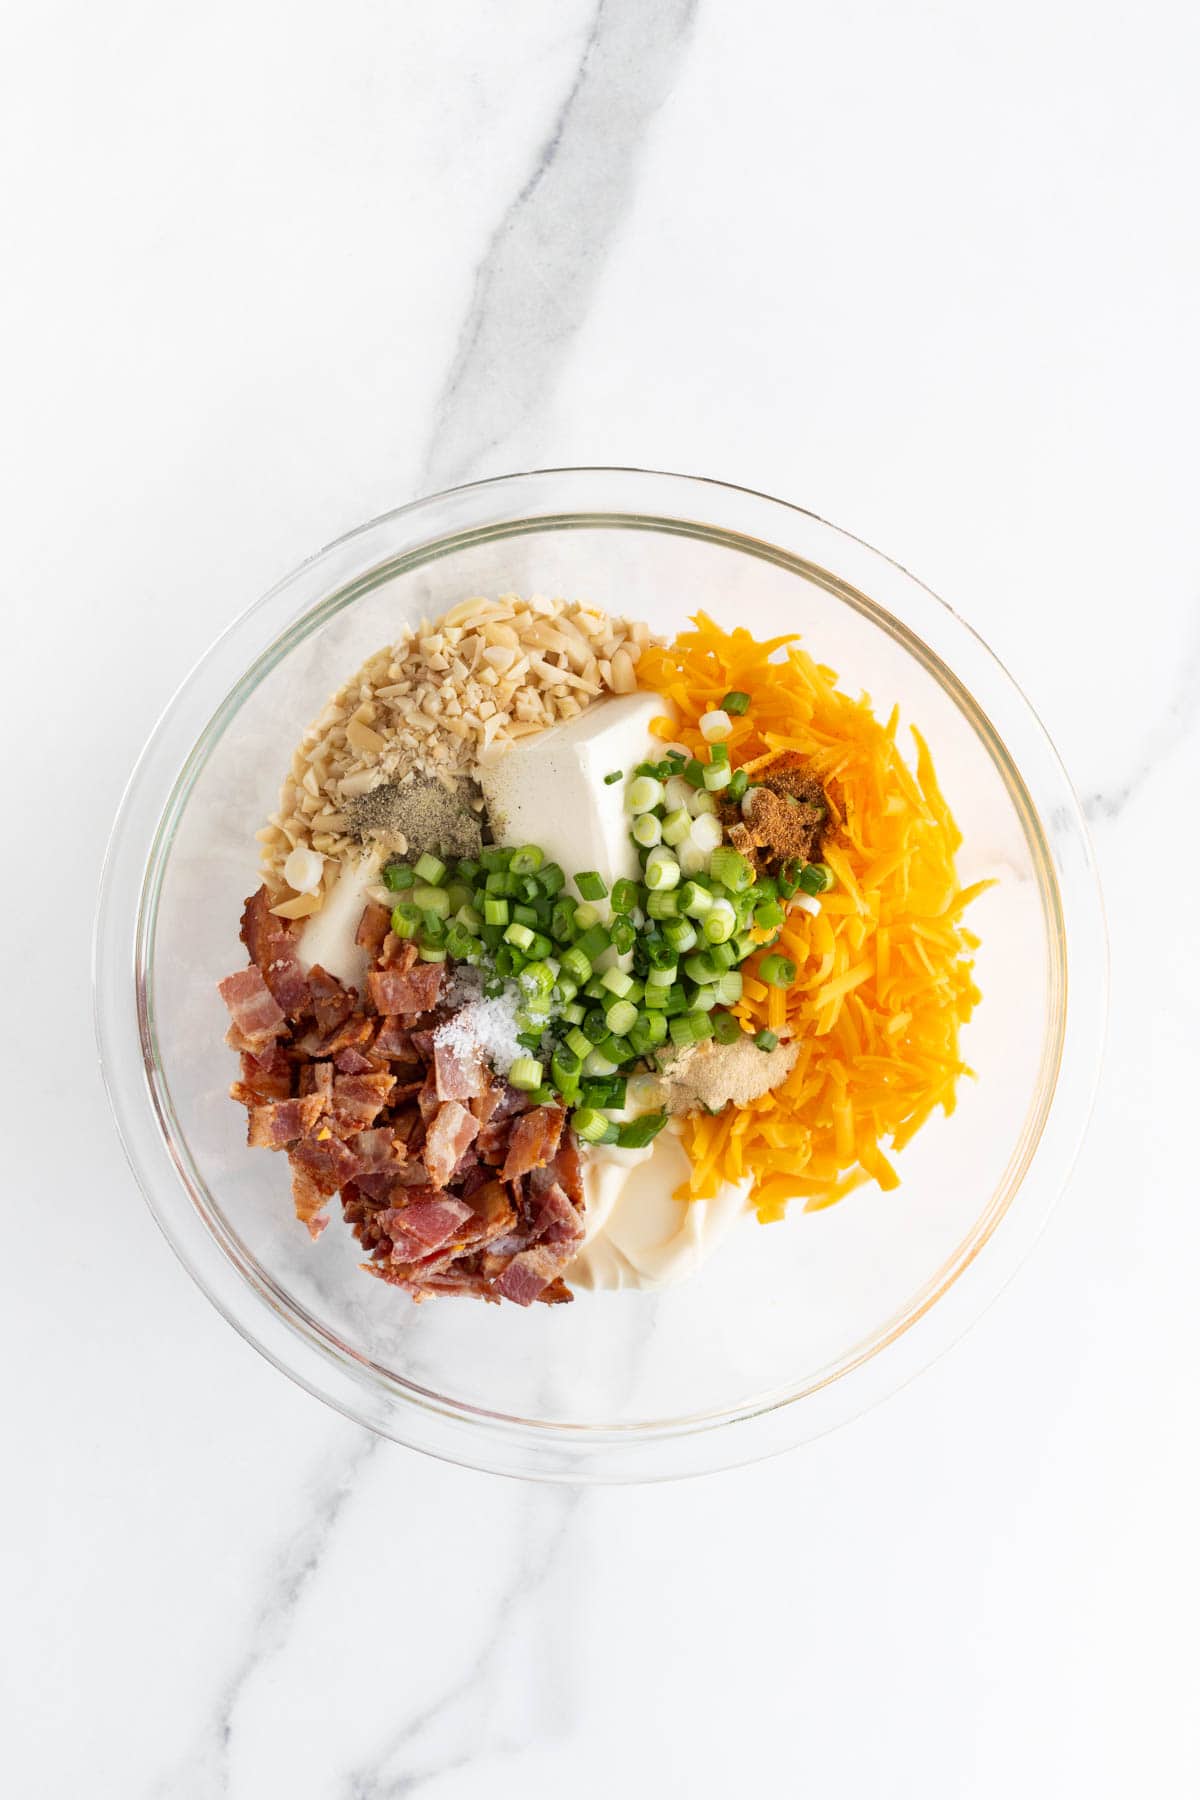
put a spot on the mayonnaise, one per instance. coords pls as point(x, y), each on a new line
point(328, 937)
point(638, 1234)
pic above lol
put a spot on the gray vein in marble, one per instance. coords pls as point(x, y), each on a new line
point(535, 280)
point(452, 1731)
point(205, 1770)
point(1174, 724)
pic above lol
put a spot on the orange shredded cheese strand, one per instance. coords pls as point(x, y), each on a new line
point(884, 969)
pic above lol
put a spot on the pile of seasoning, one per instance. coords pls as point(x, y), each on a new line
point(420, 810)
point(780, 819)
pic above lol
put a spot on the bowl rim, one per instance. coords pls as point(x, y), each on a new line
point(157, 793)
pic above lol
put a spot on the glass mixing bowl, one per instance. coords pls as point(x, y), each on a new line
point(791, 1328)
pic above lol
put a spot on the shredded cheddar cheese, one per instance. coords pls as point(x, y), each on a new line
point(884, 969)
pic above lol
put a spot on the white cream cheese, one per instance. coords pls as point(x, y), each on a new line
point(549, 788)
point(328, 937)
point(638, 1234)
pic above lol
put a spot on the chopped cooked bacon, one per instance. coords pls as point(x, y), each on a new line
point(531, 1271)
point(280, 1122)
point(265, 1077)
point(373, 928)
point(422, 1226)
point(459, 1073)
point(353, 1034)
point(331, 1002)
point(393, 1040)
point(534, 1140)
point(359, 1099)
point(413, 991)
point(565, 1168)
point(453, 1181)
point(376, 1148)
point(427, 1097)
point(397, 953)
point(556, 1222)
point(317, 1078)
point(257, 1015)
point(451, 1130)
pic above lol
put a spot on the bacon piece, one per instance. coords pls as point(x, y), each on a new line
point(280, 1122)
point(451, 1130)
point(376, 1148)
point(565, 1168)
point(534, 1140)
point(317, 1078)
point(265, 1077)
point(331, 1002)
point(397, 953)
point(557, 1221)
point(423, 1226)
point(484, 1104)
point(427, 1097)
point(359, 1099)
point(493, 1215)
point(459, 1073)
point(351, 1061)
point(325, 1162)
point(531, 1271)
point(414, 991)
point(354, 1034)
point(257, 1015)
point(373, 928)
point(394, 1040)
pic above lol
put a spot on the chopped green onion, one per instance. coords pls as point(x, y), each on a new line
point(577, 963)
point(613, 776)
point(699, 968)
point(406, 919)
point(624, 935)
point(680, 934)
point(716, 776)
point(432, 953)
point(562, 919)
point(777, 971)
point(693, 772)
point(525, 915)
point(649, 1031)
point(644, 794)
point(715, 726)
point(736, 702)
point(723, 955)
point(432, 899)
point(718, 753)
point(635, 1134)
point(398, 876)
point(596, 1064)
point(731, 869)
point(676, 826)
point(816, 878)
point(647, 830)
point(586, 916)
point(719, 922)
point(518, 935)
point(593, 942)
point(624, 895)
point(694, 899)
point(729, 988)
point(581, 1045)
point(527, 860)
point(469, 918)
point(702, 802)
point(661, 977)
point(494, 857)
point(466, 870)
point(726, 1028)
point(617, 982)
point(551, 879)
point(768, 916)
point(591, 885)
point(537, 978)
point(662, 870)
point(766, 1040)
point(591, 1125)
point(430, 868)
point(621, 1017)
point(565, 1066)
point(663, 904)
point(495, 912)
point(789, 877)
point(573, 1014)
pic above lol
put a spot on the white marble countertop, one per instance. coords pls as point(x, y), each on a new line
point(931, 271)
